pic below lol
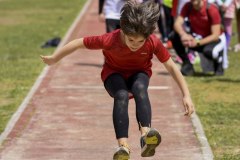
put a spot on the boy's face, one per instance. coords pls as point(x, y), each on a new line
point(134, 42)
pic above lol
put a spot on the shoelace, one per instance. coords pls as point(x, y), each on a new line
point(126, 146)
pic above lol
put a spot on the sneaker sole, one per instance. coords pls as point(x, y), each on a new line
point(121, 155)
point(153, 139)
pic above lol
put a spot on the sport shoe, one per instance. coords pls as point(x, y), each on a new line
point(187, 69)
point(149, 142)
point(218, 65)
point(122, 153)
point(219, 71)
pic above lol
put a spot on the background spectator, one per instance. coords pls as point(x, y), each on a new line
point(165, 22)
point(109, 11)
point(205, 25)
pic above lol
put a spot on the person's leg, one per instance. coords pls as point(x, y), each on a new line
point(138, 84)
point(187, 68)
point(169, 19)
point(228, 30)
point(214, 51)
point(150, 138)
point(117, 88)
point(162, 24)
point(169, 26)
point(179, 48)
point(112, 24)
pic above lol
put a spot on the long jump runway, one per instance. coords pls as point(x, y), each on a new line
point(68, 113)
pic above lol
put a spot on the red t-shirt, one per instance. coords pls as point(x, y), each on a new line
point(120, 59)
point(174, 8)
point(201, 21)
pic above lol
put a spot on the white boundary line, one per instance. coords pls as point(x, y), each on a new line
point(205, 147)
point(102, 87)
point(27, 99)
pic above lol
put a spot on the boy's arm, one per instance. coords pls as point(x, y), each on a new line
point(178, 77)
point(64, 51)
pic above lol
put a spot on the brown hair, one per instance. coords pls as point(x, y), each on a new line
point(139, 18)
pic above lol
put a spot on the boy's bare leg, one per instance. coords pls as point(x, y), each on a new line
point(144, 130)
point(122, 141)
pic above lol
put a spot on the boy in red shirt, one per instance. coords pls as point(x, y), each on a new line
point(127, 69)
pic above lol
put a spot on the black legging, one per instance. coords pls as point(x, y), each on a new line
point(119, 88)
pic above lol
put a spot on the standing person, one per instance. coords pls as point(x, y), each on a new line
point(109, 11)
point(205, 36)
point(227, 8)
point(128, 52)
point(165, 22)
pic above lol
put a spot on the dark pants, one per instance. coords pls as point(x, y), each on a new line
point(206, 50)
point(165, 22)
point(112, 24)
point(119, 89)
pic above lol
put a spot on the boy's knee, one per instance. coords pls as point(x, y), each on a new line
point(121, 95)
point(138, 87)
point(139, 90)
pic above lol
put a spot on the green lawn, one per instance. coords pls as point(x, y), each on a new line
point(218, 107)
point(25, 25)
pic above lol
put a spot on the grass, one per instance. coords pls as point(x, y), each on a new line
point(217, 103)
point(24, 26)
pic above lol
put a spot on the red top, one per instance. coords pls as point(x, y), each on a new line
point(174, 8)
point(202, 21)
point(120, 59)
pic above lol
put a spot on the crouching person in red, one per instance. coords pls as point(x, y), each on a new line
point(205, 36)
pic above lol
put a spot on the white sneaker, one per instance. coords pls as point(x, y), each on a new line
point(122, 153)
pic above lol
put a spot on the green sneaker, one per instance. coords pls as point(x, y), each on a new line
point(149, 142)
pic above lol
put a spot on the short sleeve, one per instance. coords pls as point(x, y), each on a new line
point(93, 42)
point(160, 51)
point(186, 9)
point(214, 14)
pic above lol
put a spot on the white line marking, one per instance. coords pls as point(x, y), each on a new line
point(205, 147)
point(22, 107)
point(102, 87)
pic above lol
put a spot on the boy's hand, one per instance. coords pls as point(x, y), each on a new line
point(188, 105)
point(49, 60)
